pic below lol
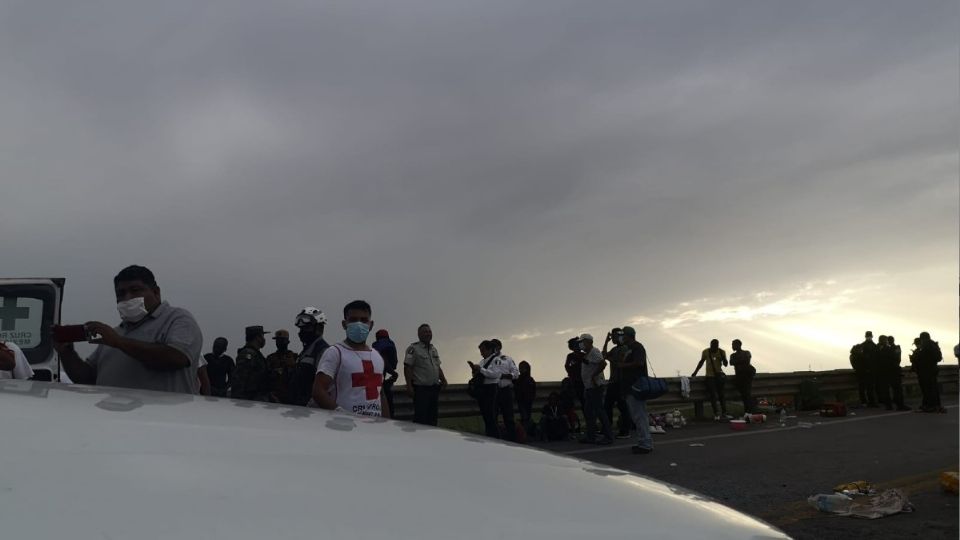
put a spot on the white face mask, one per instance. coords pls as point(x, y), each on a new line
point(132, 310)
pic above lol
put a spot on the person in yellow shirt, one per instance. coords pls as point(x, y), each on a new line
point(716, 359)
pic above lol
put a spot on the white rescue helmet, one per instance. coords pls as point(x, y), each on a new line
point(311, 315)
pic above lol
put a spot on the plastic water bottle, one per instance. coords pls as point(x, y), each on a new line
point(677, 418)
point(835, 503)
point(783, 416)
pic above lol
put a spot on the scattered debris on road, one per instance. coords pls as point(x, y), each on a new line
point(887, 503)
point(860, 487)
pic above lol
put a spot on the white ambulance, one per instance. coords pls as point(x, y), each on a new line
point(29, 307)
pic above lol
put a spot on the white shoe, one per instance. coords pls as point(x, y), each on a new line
point(716, 418)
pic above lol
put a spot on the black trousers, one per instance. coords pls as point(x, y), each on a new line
point(895, 382)
point(426, 404)
point(615, 397)
point(488, 409)
point(927, 377)
point(388, 393)
point(867, 386)
point(715, 390)
point(526, 415)
point(505, 409)
point(744, 384)
point(883, 385)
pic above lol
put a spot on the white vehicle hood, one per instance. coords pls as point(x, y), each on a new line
point(83, 462)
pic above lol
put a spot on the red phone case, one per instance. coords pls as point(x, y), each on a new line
point(70, 333)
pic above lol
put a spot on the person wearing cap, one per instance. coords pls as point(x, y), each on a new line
point(573, 366)
point(632, 367)
point(594, 383)
point(925, 359)
point(310, 325)
point(252, 377)
point(491, 370)
point(424, 376)
point(219, 368)
point(614, 394)
point(281, 364)
point(863, 360)
point(156, 346)
point(715, 359)
point(388, 350)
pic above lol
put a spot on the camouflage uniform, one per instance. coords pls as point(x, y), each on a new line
point(251, 378)
point(281, 365)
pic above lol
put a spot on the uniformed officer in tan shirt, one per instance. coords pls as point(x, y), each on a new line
point(424, 377)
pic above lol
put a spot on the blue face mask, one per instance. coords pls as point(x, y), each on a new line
point(357, 332)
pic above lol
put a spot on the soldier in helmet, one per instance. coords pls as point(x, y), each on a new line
point(281, 364)
point(252, 376)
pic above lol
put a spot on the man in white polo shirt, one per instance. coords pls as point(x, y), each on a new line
point(13, 363)
point(350, 373)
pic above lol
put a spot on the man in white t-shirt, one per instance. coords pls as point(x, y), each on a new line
point(594, 384)
point(350, 373)
point(13, 363)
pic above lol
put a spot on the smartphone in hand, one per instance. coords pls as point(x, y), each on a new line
point(70, 333)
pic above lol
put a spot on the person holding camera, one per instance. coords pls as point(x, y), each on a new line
point(155, 347)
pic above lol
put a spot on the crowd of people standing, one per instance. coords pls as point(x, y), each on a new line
point(880, 377)
point(158, 347)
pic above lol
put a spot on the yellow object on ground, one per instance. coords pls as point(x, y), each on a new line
point(860, 486)
point(948, 481)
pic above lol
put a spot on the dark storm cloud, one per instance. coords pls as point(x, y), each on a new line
point(499, 166)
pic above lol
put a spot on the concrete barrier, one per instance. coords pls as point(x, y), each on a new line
point(454, 401)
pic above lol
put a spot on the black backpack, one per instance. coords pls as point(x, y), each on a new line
point(301, 377)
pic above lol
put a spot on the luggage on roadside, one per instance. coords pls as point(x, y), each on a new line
point(833, 409)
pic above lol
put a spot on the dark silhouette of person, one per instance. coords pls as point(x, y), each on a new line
point(219, 368)
point(743, 374)
point(715, 358)
point(572, 366)
point(893, 376)
point(388, 350)
point(525, 392)
point(863, 359)
point(925, 360)
point(881, 374)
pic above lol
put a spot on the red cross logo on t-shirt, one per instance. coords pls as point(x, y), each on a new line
point(368, 379)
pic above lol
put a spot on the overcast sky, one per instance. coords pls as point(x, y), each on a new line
point(781, 172)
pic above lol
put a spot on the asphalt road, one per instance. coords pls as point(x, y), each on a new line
point(768, 471)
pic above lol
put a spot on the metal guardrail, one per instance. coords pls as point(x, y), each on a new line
point(455, 402)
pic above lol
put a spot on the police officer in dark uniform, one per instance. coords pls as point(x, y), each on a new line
point(925, 360)
point(281, 364)
point(893, 373)
point(252, 377)
point(863, 359)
